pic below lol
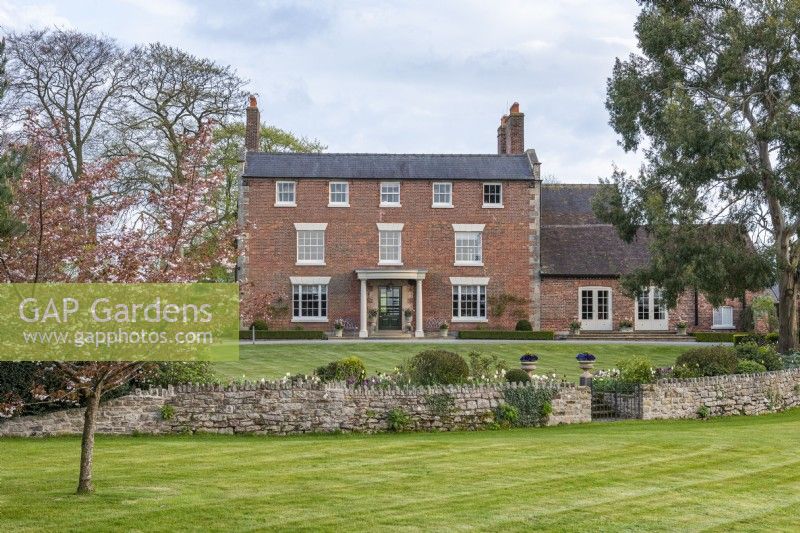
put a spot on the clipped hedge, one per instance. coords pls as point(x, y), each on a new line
point(760, 339)
point(492, 334)
point(713, 336)
point(289, 334)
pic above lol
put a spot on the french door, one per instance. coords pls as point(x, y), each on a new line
point(594, 306)
point(651, 311)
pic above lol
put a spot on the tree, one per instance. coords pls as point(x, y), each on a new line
point(714, 100)
point(72, 82)
point(171, 97)
point(172, 236)
point(10, 166)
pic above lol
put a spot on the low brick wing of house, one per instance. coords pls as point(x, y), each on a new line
point(392, 243)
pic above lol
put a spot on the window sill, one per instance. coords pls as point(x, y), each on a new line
point(338, 205)
point(493, 206)
point(723, 326)
point(468, 263)
point(285, 205)
point(394, 263)
point(319, 319)
point(463, 319)
point(310, 263)
point(389, 205)
point(442, 206)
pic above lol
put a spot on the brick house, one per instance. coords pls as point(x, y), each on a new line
point(403, 242)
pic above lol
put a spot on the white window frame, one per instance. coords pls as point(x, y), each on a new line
point(467, 228)
point(278, 202)
point(390, 184)
point(721, 311)
point(441, 205)
point(487, 205)
point(302, 227)
point(320, 284)
point(393, 228)
point(346, 202)
point(480, 284)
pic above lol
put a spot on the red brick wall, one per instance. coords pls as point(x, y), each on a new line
point(351, 242)
point(560, 304)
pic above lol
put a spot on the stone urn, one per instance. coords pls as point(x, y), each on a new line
point(625, 329)
point(338, 331)
point(444, 332)
point(681, 330)
point(586, 363)
point(528, 363)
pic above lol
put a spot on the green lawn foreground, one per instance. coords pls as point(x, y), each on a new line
point(275, 360)
point(737, 473)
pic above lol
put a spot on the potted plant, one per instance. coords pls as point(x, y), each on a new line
point(408, 313)
point(372, 314)
point(444, 329)
point(575, 326)
point(338, 327)
point(681, 325)
point(626, 325)
point(528, 362)
point(586, 361)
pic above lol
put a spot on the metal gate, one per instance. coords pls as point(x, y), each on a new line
point(616, 401)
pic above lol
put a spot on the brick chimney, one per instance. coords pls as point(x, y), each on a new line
point(252, 126)
point(511, 133)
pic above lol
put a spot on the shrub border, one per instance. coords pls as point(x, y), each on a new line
point(492, 334)
point(290, 334)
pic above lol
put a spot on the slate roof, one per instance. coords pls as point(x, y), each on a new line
point(389, 166)
point(575, 244)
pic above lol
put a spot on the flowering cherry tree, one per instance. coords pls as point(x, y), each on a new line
point(84, 231)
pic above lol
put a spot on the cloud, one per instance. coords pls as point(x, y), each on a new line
point(402, 76)
point(20, 16)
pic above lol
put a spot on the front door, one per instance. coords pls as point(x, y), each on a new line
point(389, 308)
point(651, 311)
point(595, 308)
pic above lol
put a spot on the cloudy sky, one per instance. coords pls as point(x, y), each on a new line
point(399, 76)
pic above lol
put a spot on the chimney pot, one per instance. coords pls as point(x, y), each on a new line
point(253, 101)
point(514, 107)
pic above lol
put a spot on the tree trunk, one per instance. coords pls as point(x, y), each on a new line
point(87, 444)
point(787, 311)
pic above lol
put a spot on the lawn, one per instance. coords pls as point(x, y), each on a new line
point(275, 360)
point(723, 474)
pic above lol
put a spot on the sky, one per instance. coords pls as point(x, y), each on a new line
point(429, 76)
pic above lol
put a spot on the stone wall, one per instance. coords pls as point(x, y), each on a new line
point(279, 409)
point(744, 394)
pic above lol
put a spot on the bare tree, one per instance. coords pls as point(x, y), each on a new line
point(72, 81)
point(171, 96)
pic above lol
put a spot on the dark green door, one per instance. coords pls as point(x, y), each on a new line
point(389, 311)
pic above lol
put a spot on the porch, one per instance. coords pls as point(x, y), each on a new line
point(385, 296)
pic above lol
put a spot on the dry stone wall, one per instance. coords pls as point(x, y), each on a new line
point(282, 408)
point(742, 394)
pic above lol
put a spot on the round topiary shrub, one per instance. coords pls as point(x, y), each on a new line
point(438, 367)
point(516, 375)
point(746, 366)
point(259, 325)
point(523, 325)
point(710, 361)
point(350, 369)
